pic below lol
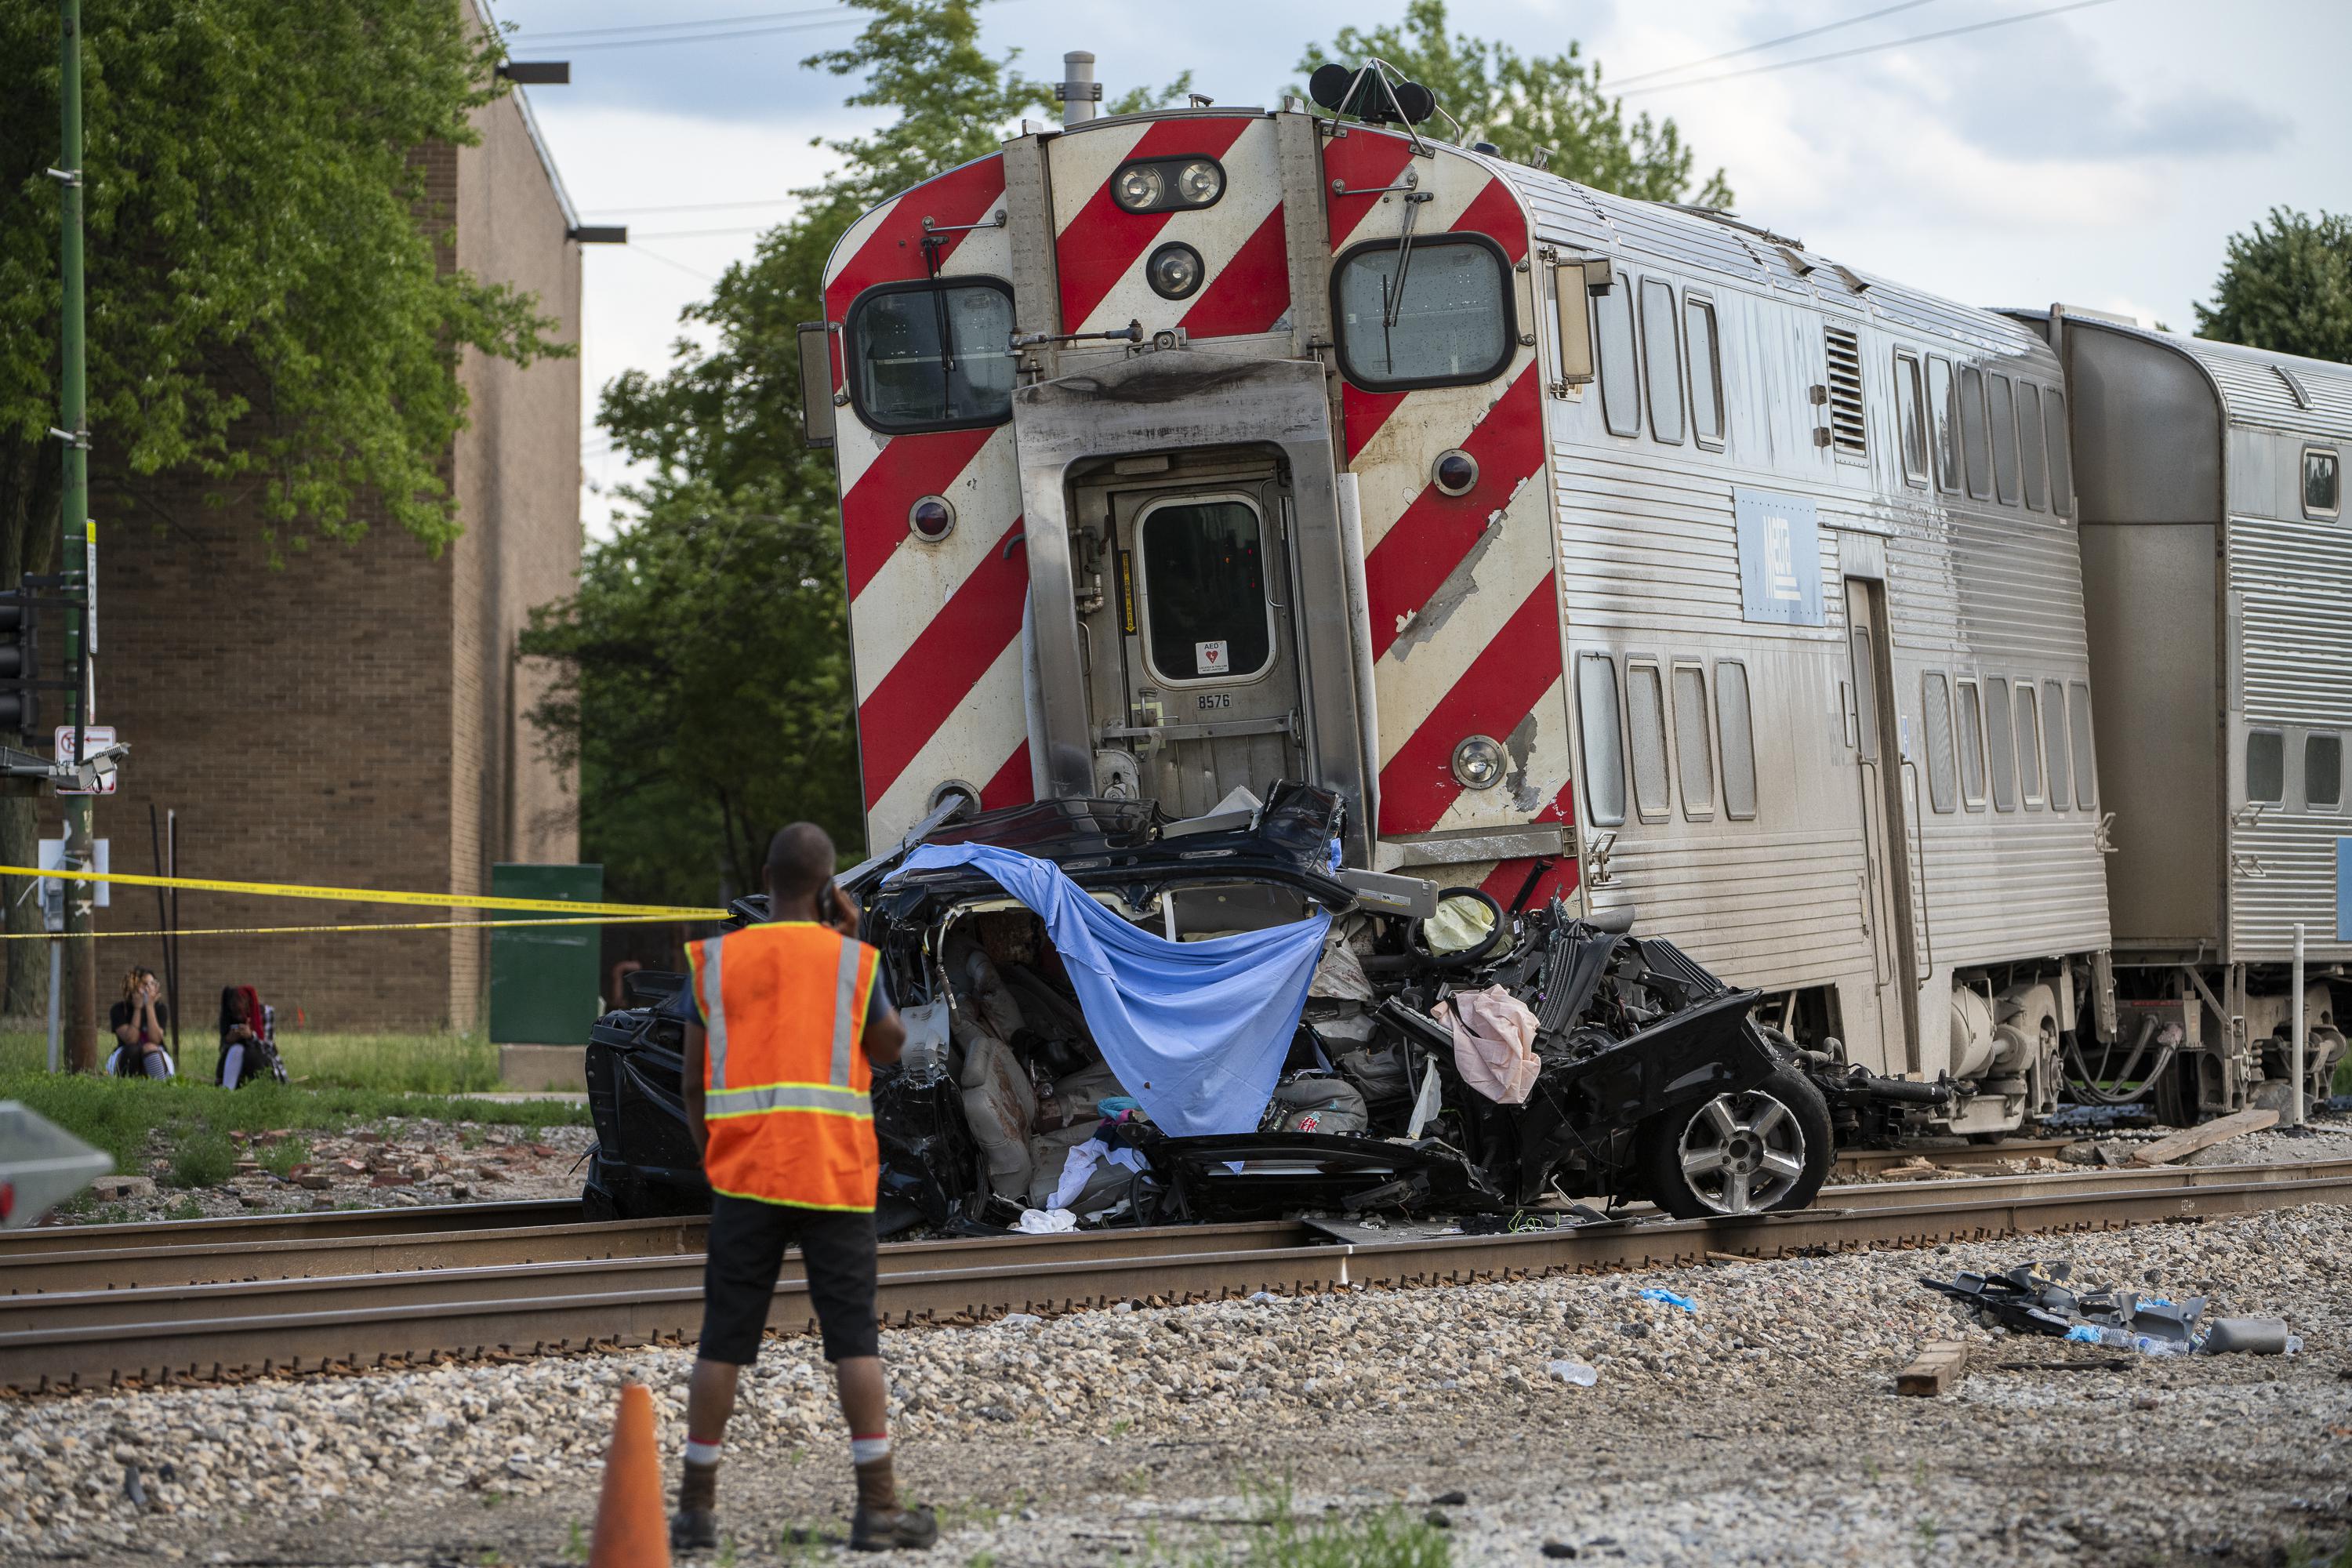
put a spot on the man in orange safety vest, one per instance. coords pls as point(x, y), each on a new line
point(790, 1019)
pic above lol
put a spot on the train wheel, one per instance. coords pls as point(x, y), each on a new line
point(1764, 1149)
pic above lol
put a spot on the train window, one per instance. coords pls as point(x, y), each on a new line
point(1646, 737)
point(2000, 730)
point(2078, 729)
point(1604, 741)
point(1938, 707)
point(1972, 746)
point(931, 355)
point(2029, 742)
point(2061, 456)
point(2004, 439)
point(2319, 482)
point(1706, 370)
point(2265, 765)
point(2054, 740)
point(1736, 725)
point(1911, 419)
point(1694, 758)
point(1447, 323)
point(1204, 602)
point(1662, 361)
point(1944, 412)
point(2030, 447)
point(1972, 432)
point(1620, 392)
point(2322, 772)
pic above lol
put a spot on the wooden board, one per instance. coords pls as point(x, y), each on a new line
point(2180, 1145)
point(1940, 1365)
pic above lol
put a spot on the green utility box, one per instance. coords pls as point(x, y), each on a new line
point(543, 978)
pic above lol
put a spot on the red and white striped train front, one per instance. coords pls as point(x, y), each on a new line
point(1294, 258)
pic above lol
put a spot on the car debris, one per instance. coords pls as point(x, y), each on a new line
point(2043, 1299)
point(1467, 1059)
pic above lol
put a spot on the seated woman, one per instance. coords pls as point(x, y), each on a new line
point(248, 1052)
point(139, 1023)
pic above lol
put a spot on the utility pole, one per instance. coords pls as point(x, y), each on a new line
point(77, 553)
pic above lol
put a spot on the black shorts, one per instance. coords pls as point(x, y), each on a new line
point(746, 1250)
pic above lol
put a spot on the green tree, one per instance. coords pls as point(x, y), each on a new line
point(709, 705)
point(1528, 106)
point(2286, 287)
point(266, 314)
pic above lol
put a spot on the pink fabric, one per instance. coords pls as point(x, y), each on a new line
point(1493, 1033)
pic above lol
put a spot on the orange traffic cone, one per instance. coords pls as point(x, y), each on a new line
point(631, 1529)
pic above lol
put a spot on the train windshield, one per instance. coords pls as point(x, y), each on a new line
point(1435, 314)
point(932, 356)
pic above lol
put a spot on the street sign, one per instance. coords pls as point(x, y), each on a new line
point(95, 739)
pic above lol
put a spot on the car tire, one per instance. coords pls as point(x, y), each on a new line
point(1703, 1161)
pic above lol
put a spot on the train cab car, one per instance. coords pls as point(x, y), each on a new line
point(2217, 562)
point(1583, 547)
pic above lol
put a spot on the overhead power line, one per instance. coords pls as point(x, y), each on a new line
point(565, 33)
point(702, 233)
point(696, 37)
point(1770, 43)
point(693, 208)
point(1867, 49)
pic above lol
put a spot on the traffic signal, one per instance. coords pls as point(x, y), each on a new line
point(20, 663)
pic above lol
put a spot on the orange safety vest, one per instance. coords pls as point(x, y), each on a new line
point(786, 1078)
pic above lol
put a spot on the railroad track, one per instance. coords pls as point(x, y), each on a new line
point(1958, 1157)
point(79, 1337)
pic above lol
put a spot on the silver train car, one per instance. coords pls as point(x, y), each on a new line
point(2218, 565)
point(1863, 547)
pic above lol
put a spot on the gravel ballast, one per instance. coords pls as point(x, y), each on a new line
point(1762, 1429)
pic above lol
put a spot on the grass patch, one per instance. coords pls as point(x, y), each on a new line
point(399, 1064)
point(281, 1158)
point(1384, 1538)
point(202, 1156)
point(118, 1114)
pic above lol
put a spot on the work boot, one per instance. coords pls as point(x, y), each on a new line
point(892, 1530)
point(694, 1526)
point(693, 1529)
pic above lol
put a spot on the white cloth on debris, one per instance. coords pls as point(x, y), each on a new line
point(1081, 1165)
point(1494, 1035)
point(1046, 1222)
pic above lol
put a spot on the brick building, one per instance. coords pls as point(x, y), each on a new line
point(357, 718)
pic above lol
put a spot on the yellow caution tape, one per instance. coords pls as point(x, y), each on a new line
point(302, 930)
point(372, 895)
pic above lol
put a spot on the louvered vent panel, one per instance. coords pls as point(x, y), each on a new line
point(1847, 432)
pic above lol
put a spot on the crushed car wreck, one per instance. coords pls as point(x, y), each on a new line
point(1139, 1021)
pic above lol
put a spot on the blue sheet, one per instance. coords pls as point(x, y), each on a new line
point(1196, 1030)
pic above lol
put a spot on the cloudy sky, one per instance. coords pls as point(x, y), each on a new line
point(2101, 156)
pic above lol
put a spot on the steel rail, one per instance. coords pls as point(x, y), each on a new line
point(577, 1306)
point(119, 1270)
point(246, 1229)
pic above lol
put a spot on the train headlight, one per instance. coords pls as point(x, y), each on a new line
point(1455, 472)
point(932, 519)
point(1174, 271)
point(1200, 183)
point(1138, 187)
point(1478, 763)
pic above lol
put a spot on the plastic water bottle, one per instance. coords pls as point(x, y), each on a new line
point(1568, 1370)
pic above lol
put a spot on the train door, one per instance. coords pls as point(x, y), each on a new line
point(1187, 625)
point(1886, 889)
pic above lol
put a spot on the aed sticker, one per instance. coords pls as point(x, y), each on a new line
point(1210, 657)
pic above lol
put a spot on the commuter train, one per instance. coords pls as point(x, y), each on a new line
point(1624, 552)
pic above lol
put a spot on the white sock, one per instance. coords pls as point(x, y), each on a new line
point(865, 1450)
point(701, 1452)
